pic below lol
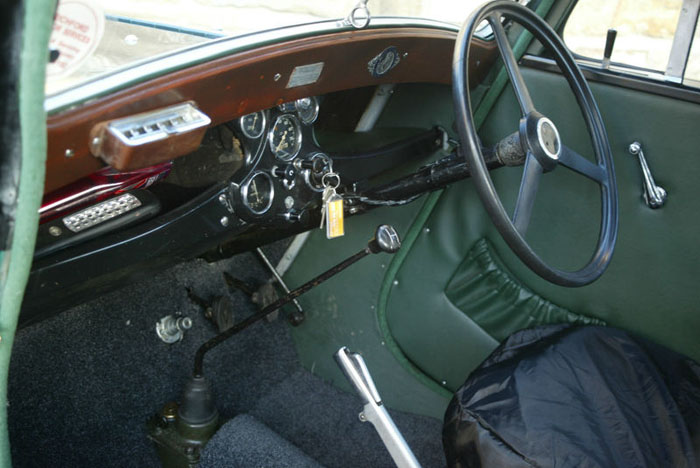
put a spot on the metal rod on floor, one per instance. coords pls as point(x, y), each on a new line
point(221, 337)
point(281, 282)
point(385, 240)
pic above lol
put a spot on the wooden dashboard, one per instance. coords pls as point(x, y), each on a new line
point(232, 86)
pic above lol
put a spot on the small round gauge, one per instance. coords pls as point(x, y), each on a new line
point(258, 192)
point(285, 137)
point(307, 110)
point(253, 125)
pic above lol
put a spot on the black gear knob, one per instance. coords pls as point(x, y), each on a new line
point(385, 239)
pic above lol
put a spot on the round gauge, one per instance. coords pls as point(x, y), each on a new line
point(307, 110)
point(258, 192)
point(285, 137)
point(253, 125)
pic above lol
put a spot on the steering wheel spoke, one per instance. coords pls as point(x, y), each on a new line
point(530, 182)
point(540, 139)
point(583, 166)
point(511, 64)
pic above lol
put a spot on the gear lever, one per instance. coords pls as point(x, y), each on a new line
point(180, 432)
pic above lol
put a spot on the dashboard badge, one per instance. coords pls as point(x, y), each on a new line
point(384, 62)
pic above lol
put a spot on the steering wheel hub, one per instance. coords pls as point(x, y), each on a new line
point(541, 139)
point(548, 138)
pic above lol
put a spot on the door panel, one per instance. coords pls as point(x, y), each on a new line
point(651, 287)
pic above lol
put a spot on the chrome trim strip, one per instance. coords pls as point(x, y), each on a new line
point(199, 53)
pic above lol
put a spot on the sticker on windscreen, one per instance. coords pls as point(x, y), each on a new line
point(77, 30)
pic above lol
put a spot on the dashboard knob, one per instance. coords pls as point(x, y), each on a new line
point(317, 165)
point(288, 172)
point(296, 216)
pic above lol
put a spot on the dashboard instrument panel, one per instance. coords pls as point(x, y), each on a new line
point(243, 83)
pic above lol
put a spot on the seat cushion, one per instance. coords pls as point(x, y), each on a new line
point(576, 396)
point(247, 443)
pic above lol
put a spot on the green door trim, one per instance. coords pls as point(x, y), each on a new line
point(38, 18)
point(482, 111)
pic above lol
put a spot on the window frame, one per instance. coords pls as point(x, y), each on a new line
point(678, 57)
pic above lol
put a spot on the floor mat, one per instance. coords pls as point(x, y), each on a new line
point(83, 383)
point(245, 442)
point(306, 411)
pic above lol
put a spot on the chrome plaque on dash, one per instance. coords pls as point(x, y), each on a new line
point(305, 75)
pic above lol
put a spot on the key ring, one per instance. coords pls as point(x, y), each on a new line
point(326, 184)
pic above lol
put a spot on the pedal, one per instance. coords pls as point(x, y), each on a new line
point(355, 369)
point(219, 311)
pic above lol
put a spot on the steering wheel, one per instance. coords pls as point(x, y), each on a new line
point(540, 142)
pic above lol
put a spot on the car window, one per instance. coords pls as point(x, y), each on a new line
point(645, 30)
point(92, 38)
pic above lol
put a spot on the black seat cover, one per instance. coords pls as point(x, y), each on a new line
point(576, 396)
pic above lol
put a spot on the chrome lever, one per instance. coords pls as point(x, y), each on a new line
point(654, 195)
point(355, 369)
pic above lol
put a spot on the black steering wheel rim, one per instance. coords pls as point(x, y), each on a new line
point(602, 172)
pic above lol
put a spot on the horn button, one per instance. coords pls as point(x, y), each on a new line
point(542, 139)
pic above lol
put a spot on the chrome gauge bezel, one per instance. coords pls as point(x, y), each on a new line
point(297, 143)
point(262, 128)
point(246, 186)
point(307, 172)
point(314, 109)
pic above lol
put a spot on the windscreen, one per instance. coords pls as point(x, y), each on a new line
point(96, 37)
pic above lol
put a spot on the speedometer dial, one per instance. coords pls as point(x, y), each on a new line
point(285, 137)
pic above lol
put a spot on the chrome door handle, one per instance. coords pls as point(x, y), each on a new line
point(654, 195)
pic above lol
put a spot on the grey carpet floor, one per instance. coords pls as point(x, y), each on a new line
point(83, 383)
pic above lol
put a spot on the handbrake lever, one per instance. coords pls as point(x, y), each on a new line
point(355, 369)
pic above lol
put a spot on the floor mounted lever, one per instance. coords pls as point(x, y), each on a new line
point(355, 369)
point(298, 317)
point(385, 240)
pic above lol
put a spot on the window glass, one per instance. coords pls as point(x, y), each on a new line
point(645, 30)
point(95, 37)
